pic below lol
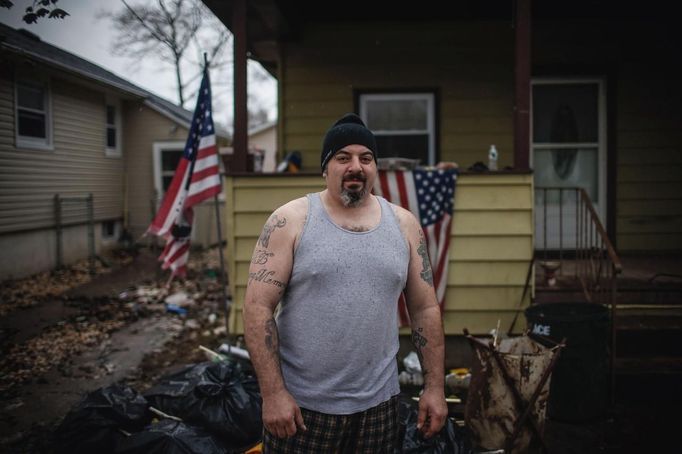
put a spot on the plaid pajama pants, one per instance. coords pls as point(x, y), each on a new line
point(371, 431)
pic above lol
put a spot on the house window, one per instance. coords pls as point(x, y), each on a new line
point(403, 123)
point(112, 132)
point(166, 158)
point(33, 125)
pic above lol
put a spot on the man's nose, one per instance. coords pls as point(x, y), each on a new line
point(354, 163)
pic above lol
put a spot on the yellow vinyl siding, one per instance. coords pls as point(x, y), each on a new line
point(466, 63)
point(76, 166)
point(490, 248)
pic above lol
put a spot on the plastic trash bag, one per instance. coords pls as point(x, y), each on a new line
point(218, 397)
point(93, 424)
point(170, 437)
point(451, 439)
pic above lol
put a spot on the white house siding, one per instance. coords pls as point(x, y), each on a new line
point(76, 166)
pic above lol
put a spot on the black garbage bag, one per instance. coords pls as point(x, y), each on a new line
point(218, 397)
point(451, 439)
point(170, 437)
point(93, 424)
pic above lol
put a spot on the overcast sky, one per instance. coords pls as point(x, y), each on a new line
point(84, 34)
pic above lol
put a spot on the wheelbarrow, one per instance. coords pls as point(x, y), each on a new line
point(508, 393)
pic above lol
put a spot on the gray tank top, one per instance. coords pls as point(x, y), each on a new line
point(338, 323)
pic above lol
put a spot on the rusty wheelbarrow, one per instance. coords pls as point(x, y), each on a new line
point(508, 394)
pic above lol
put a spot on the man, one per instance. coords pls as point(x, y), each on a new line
point(336, 262)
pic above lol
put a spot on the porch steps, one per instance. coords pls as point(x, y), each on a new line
point(648, 325)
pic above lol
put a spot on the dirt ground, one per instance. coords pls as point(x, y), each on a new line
point(64, 334)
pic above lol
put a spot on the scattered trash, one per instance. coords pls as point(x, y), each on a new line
point(458, 379)
point(179, 299)
point(170, 437)
point(412, 375)
point(218, 397)
point(93, 424)
point(412, 379)
point(212, 318)
point(508, 393)
point(233, 350)
point(411, 363)
point(172, 308)
point(451, 439)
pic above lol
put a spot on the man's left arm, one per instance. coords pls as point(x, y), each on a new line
point(427, 328)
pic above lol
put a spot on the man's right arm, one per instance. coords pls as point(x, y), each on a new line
point(269, 273)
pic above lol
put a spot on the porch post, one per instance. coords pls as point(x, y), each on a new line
point(522, 85)
point(239, 137)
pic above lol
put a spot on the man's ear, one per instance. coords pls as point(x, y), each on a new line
point(324, 173)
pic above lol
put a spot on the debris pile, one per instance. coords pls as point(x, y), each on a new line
point(27, 292)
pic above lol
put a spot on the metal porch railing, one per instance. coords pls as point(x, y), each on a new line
point(572, 234)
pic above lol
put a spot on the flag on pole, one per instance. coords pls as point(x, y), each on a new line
point(196, 179)
point(429, 195)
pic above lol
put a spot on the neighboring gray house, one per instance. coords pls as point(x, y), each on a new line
point(71, 128)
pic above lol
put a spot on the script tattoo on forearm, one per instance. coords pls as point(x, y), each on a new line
point(426, 273)
point(273, 223)
point(265, 276)
point(261, 256)
point(419, 342)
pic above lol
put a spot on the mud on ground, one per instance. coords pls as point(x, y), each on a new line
point(64, 334)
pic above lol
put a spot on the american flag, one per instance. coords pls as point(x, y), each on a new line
point(429, 195)
point(196, 179)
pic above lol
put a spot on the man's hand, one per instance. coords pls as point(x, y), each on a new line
point(432, 413)
point(281, 415)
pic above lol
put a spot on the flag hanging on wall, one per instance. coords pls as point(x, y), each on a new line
point(196, 179)
point(429, 195)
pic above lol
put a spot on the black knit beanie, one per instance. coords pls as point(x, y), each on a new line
point(349, 130)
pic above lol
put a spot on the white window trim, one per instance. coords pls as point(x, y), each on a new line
point(32, 143)
point(430, 116)
point(601, 135)
point(158, 148)
point(113, 152)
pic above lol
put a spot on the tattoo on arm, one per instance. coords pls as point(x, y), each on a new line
point(272, 341)
point(261, 256)
point(419, 342)
point(426, 273)
point(273, 223)
point(265, 276)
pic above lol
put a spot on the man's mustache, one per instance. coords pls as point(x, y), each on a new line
point(355, 176)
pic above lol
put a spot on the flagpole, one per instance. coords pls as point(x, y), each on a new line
point(223, 283)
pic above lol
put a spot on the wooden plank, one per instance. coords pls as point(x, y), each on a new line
point(649, 173)
point(483, 273)
point(488, 198)
point(650, 242)
point(492, 248)
point(483, 298)
point(649, 155)
point(650, 190)
point(670, 207)
point(472, 223)
point(262, 199)
point(649, 224)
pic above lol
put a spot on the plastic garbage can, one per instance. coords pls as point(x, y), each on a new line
point(579, 390)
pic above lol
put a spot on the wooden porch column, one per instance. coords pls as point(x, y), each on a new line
point(522, 85)
point(239, 138)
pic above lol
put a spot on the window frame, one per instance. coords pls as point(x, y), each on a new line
point(113, 152)
point(158, 149)
point(28, 142)
point(431, 123)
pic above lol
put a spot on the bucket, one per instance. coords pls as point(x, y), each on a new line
point(579, 390)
